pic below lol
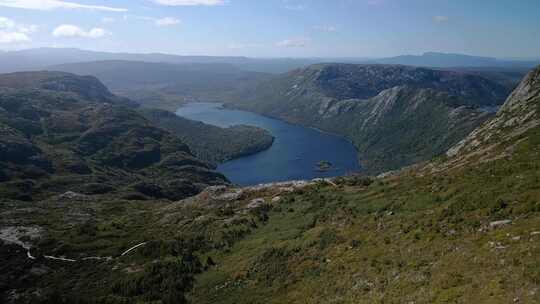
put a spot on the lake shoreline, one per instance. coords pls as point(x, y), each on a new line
point(293, 155)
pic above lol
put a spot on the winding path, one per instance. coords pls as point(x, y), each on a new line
point(63, 259)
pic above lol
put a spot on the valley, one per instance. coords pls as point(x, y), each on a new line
point(395, 115)
point(460, 228)
point(269, 152)
point(420, 186)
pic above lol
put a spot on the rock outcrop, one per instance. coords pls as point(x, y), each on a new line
point(519, 114)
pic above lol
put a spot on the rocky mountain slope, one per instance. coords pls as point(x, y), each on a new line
point(434, 233)
point(395, 115)
point(519, 114)
point(62, 132)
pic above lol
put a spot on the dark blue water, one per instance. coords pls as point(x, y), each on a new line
point(294, 154)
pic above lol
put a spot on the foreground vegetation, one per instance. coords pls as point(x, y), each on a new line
point(428, 239)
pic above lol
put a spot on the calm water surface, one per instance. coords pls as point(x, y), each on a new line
point(294, 154)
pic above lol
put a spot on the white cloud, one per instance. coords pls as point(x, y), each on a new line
point(13, 37)
point(73, 31)
point(107, 20)
point(28, 29)
point(9, 24)
point(167, 21)
point(6, 23)
point(326, 28)
point(47, 5)
point(294, 43)
point(189, 2)
point(13, 32)
point(440, 19)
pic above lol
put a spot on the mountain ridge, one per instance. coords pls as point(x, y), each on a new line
point(341, 98)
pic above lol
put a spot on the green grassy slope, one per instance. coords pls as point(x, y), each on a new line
point(422, 239)
point(408, 238)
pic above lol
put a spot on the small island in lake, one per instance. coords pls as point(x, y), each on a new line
point(324, 165)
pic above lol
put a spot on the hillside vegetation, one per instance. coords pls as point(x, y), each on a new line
point(62, 132)
point(210, 143)
point(463, 228)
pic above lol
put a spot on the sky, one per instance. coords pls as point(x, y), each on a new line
point(276, 28)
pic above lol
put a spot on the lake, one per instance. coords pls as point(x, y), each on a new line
point(295, 154)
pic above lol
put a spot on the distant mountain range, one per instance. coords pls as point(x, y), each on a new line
point(446, 60)
point(36, 59)
point(159, 84)
point(41, 58)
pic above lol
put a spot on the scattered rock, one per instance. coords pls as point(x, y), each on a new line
point(276, 199)
point(499, 223)
point(16, 235)
point(231, 196)
point(256, 203)
point(70, 195)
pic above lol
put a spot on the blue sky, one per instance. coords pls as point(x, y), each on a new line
point(276, 28)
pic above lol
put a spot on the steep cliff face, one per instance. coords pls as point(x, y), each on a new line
point(403, 125)
point(518, 115)
point(395, 115)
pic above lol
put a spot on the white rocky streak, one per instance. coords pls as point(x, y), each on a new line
point(133, 248)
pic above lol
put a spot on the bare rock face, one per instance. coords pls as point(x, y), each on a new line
point(519, 113)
